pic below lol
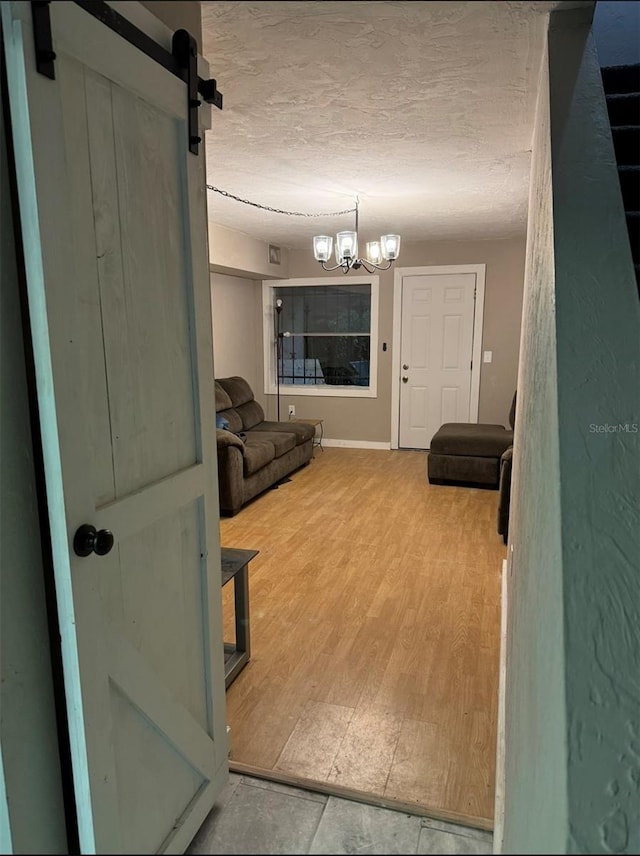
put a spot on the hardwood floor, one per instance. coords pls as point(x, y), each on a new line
point(375, 632)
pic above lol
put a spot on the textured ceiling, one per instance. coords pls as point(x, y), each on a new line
point(424, 110)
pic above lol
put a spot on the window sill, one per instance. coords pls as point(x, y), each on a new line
point(327, 390)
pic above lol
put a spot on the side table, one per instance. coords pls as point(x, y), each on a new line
point(235, 566)
point(315, 421)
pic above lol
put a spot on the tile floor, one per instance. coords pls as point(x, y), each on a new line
point(259, 816)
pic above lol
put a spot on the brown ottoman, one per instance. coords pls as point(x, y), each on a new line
point(467, 453)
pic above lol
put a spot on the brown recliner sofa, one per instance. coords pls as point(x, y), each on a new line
point(469, 453)
point(253, 453)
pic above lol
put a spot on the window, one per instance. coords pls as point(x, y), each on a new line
point(328, 336)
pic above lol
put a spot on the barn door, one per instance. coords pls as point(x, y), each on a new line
point(113, 214)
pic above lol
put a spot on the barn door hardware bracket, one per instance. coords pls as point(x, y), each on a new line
point(185, 50)
point(45, 55)
point(182, 62)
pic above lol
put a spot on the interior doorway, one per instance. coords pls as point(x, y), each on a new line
point(437, 340)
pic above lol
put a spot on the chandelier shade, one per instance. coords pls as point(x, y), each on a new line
point(346, 246)
point(322, 247)
point(374, 253)
point(380, 254)
point(390, 247)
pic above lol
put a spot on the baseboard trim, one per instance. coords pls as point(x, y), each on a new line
point(498, 813)
point(471, 821)
point(357, 444)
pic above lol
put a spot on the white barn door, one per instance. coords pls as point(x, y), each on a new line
point(113, 214)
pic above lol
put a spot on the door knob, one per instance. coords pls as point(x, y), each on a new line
point(89, 540)
point(405, 366)
point(405, 379)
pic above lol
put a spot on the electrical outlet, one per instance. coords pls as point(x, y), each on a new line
point(292, 410)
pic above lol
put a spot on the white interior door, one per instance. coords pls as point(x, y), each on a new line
point(435, 354)
point(113, 214)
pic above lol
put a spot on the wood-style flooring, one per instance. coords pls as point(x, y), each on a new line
point(375, 633)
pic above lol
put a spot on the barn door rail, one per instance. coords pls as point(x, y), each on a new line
point(181, 61)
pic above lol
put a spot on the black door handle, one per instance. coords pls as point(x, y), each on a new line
point(89, 540)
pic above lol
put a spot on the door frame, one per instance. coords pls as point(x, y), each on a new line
point(396, 341)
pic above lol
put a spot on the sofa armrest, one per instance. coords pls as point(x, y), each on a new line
point(506, 457)
point(225, 439)
point(505, 493)
point(230, 454)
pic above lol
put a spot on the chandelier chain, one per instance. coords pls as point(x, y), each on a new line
point(277, 210)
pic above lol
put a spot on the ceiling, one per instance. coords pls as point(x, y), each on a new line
point(424, 110)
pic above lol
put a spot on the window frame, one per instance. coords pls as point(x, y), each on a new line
point(269, 350)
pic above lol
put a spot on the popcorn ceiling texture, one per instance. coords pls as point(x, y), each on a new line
point(423, 109)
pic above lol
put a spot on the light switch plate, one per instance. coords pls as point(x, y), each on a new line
point(487, 357)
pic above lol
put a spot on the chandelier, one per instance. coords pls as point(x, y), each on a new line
point(380, 255)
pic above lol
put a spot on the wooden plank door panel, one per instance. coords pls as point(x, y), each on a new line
point(142, 276)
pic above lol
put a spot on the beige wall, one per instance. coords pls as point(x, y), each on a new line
point(237, 329)
point(370, 419)
point(178, 15)
point(235, 253)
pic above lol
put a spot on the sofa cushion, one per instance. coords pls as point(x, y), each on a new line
point(468, 438)
point(282, 442)
point(233, 418)
point(237, 389)
point(257, 454)
point(251, 414)
point(223, 402)
point(302, 430)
